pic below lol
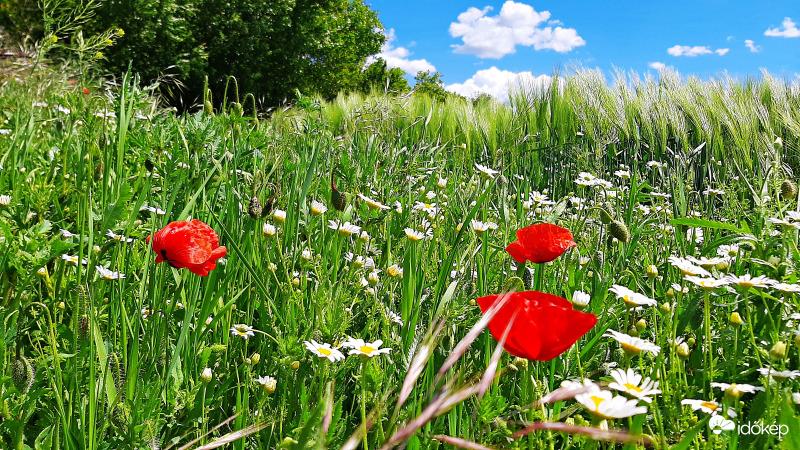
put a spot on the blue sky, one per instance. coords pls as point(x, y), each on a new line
point(483, 45)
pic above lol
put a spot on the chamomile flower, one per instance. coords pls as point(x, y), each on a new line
point(346, 228)
point(687, 268)
point(109, 274)
point(279, 215)
point(706, 406)
point(268, 383)
point(74, 259)
point(632, 384)
point(707, 282)
point(373, 204)
point(633, 345)
point(730, 251)
point(118, 237)
point(632, 299)
point(442, 183)
point(324, 350)
point(747, 281)
point(581, 299)
point(67, 233)
point(269, 230)
point(318, 208)
point(735, 390)
point(154, 210)
point(586, 179)
point(787, 288)
point(779, 375)
point(414, 235)
point(368, 349)
point(395, 271)
point(605, 405)
point(242, 330)
point(394, 317)
point(710, 191)
point(624, 174)
point(481, 227)
point(486, 172)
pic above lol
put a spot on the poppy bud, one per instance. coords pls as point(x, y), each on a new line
point(619, 231)
point(606, 215)
point(337, 199)
point(527, 279)
point(120, 416)
point(788, 189)
point(255, 209)
point(208, 108)
point(22, 374)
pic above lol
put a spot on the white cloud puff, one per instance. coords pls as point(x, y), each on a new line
point(657, 65)
point(788, 30)
point(685, 50)
point(752, 46)
point(517, 24)
point(399, 57)
point(722, 51)
point(498, 83)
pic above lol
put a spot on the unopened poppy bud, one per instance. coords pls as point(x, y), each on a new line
point(788, 189)
point(208, 108)
point(652, 271)
point(683, 350)
point(736, 319)
point(606, 214)
point(641, 325)
point(22, 374)
point(619, 231)
point(513, 284)
point(778, 351)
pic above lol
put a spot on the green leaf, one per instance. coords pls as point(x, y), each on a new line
point(693, 222)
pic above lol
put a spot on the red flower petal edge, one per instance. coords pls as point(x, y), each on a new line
point(192, 245)
point(540, 243)
point(544, 327)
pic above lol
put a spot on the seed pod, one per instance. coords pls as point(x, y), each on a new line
point(527, 278)
point(606, 215)
point(788, 189)
point(337, 199)
point(22, 374)
point(619, 231)
point(254, 209)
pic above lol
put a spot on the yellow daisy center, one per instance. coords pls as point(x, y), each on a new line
point(633, 387)
point(597, 401)
point(628, 348)
point(366, 349)
point(711, 406)
point(324, 351)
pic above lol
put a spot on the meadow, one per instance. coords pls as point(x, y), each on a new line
point(360, 234)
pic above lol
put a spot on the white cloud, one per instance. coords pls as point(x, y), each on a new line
point(657, 65)
point(497, 83)
point(685, 50)
point(722, 51)
point(789, 30)
point(399, 57)
point(753, 48)
point(517, 24)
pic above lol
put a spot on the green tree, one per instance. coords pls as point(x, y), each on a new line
point(378, 76)
point(430, 84)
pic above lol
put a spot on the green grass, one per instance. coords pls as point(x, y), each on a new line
point(109, 376)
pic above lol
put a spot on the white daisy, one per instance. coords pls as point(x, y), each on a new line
point(318, 208)
point(707, 407)
point(346, 228)
point(414, 235)
point(373, 204)
point(242, 330)
point(632, 384)
point(736, 390)
point(632, 299)
point(486, 172)
point(268, 383)
point(747, 281)
point(109, 274)
point(633, 345)
point(607, 406)
point(707, 282)
point(324, 350)
point(482, 227)
point(118, 237)
point(369, 349)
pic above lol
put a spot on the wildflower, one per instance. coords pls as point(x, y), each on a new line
point(318, 208)
point(707, 407)
point(687, 268)
point(193, 245)
point(67, 233)
point(442, 183)
point(395, 271)
point(398, 207)
point(394, 317)
point(624, 174)
point(118, 237)
point(656, 165)
point(482, 227)
point(544, 325)
point(368, 349)
point(633, 345)
point(707, 283)
point(109, 274)
point(373, 204)
point(728, 250)
point(414, 235)
point(605, 405)
point(206, 375)
point(346, 228)
point(787, 288)
point(74, 259)
point(736, 390)
point(540, 243)
point(269, 230)
point(242, 330)
point(486, 172)
point(746, 281)
point(5, 200)
point(632, 299)
point(324, 350)
point(632, 384)
point(712, 192)
point(306, 255)
point(580, 299)
point(268, 383)
point(154, 210)
point(279, 215)
point(586, 179)
point(779, 374)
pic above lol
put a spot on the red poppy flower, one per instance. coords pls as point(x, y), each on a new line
point(544, 327)
point(193, 245)
point(540, 243)
point(86, 91)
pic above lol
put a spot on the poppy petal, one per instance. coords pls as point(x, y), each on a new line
point(543, 242)
point(517, 251)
